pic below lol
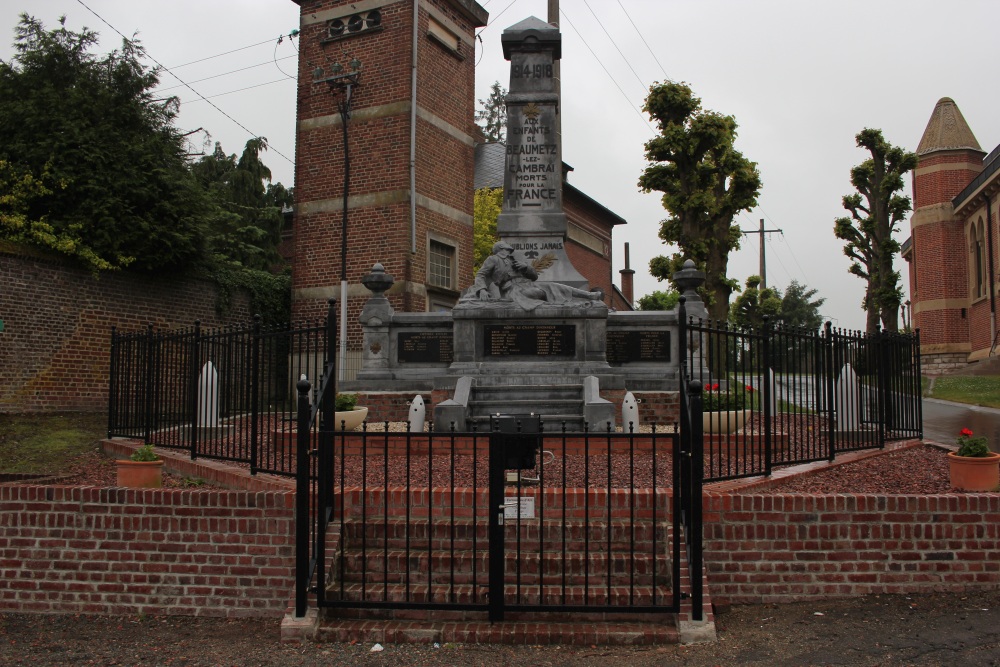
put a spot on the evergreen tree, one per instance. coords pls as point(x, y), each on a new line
point(118, 191)
point(492, 117)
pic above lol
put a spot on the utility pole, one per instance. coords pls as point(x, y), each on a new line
point(763, 262)
point(553, 19)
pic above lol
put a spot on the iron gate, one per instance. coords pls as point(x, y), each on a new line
point(516, 518)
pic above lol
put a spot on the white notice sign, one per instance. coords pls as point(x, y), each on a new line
point(523, 505)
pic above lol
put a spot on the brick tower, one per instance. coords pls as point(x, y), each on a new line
point(411, 164)
point(949, 158)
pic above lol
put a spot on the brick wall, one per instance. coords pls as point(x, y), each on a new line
point(55, 344)
point(146, 551)
point(782, 548)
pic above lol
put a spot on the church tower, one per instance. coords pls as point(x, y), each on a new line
point(949, 158)
point(404, 70)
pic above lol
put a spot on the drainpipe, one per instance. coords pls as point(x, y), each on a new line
point(993, 293)
point(413, 132)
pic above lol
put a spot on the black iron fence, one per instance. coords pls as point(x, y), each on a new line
point(225, 393)
point(526, 518)
point(779, 396)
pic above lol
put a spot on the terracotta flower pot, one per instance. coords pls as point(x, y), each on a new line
point(140, 474)
point(974, 473)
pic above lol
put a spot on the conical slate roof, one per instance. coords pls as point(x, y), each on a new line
point(947, 130)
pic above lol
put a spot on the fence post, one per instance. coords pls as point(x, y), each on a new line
point(918, 389)
point(694, 527)
point(681, 464)
point(302, 499)
point(254, 394)
point(766, 362)
point(148, 408)
point(113, 367)
point(193, 387)
point(882, 353)
point(828, 369)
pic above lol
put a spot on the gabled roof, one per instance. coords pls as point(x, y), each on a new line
point(947, 130)
point(491, 158)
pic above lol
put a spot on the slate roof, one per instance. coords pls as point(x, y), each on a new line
point(947, 130)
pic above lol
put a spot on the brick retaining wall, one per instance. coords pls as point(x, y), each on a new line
point(93, 550)
point(55, 344)
point(783, 548)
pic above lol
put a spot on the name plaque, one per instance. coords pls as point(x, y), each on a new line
point(425, 347)
point(541, 340)
point(626, 346)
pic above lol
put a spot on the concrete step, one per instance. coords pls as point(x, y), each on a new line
point(471, 628)
point(616, 596)
point(555, 391)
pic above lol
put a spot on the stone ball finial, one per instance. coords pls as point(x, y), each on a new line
point(378, 281)
point(688, 280)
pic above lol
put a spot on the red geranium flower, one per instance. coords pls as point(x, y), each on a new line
point(966, 432)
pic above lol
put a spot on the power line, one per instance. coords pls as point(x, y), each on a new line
point(217, 55)
point(238, 90)
point(662, 69)
point(234, 71)
point(613, 80)
point(615, 44)
point(161, 66)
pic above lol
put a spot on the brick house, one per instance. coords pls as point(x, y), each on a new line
point(412, 141)
point(952, 250)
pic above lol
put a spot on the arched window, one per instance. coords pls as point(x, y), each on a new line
point(977, 265)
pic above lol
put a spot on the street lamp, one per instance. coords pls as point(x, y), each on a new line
point(344, 83)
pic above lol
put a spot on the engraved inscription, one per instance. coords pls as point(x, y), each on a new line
point(425, 347)
point(543, 340)
point(626, 346)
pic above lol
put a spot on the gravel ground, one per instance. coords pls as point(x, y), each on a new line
point(933, 629)
point(887, 631)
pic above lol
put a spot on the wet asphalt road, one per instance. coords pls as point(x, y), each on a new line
point(944, 420)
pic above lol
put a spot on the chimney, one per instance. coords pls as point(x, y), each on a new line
point(627, 276)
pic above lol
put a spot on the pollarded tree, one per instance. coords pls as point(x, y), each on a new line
point(492, 117)
point(705, 183)
point(876, 209)
point(91, 128)
point(754, 304)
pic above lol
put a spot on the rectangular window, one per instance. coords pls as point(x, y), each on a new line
point(441, 265)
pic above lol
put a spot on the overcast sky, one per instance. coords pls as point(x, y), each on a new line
point(801, 77)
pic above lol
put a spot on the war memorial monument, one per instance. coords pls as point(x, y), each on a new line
point(528, 336)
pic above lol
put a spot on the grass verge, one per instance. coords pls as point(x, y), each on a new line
point(44, 443)
point(971, 389)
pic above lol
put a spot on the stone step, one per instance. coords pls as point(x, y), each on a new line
point(493, 393)
point(551, 531)
point(550, 567)
point(428, 628)
point(617, 596)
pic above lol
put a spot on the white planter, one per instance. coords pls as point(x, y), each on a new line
point(728, 421)
point(350, 419)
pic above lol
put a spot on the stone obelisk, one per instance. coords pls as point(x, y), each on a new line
point(532, 218)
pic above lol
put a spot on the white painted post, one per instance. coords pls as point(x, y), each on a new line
point(848, 400)
point(630, 412)
point(208, 396)
point(418, 414)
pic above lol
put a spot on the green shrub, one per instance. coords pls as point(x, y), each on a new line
point(346, 402)
point(144, 453)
